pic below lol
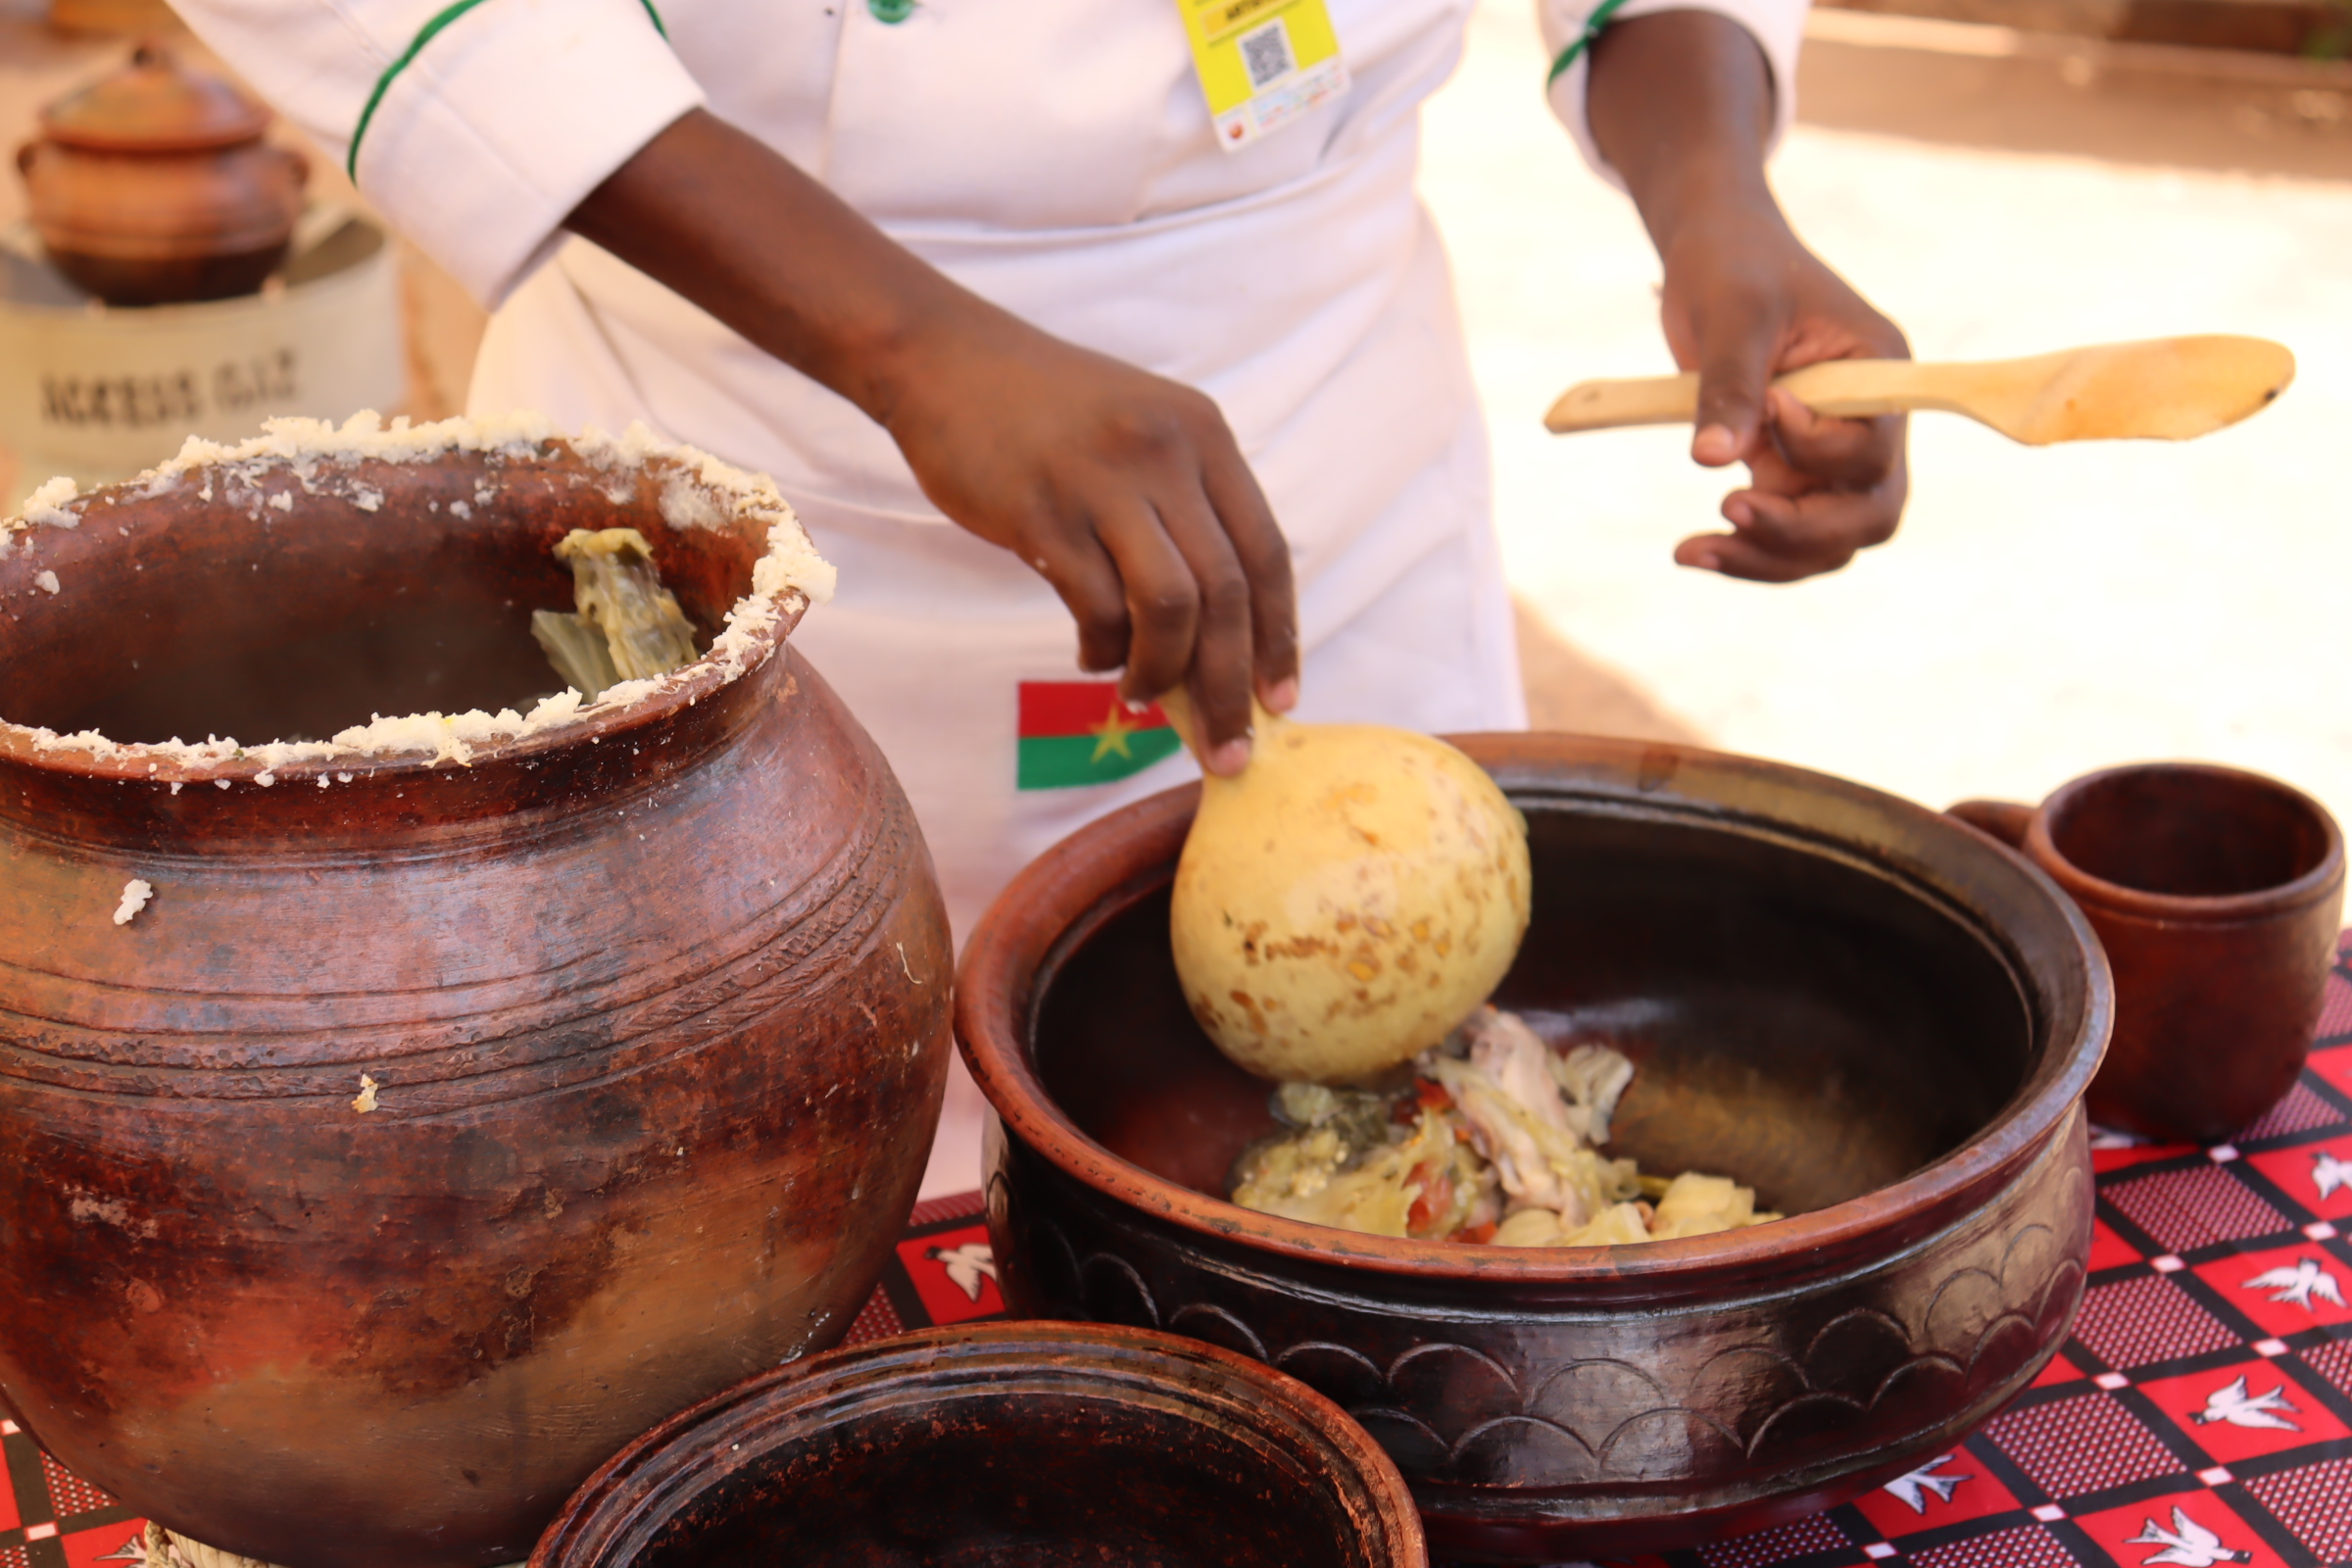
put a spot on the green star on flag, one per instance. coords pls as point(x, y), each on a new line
point(1075, 732)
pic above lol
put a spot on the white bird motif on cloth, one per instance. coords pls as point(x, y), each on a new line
point(2188, 1543)
point(2241, 1409)
point(133, 1549)
point(2299, 1284)
point(966, 1264)
point(1912, 1489)
point(2327, 1173)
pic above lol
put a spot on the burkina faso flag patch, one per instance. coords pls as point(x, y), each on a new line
point(1077, 732)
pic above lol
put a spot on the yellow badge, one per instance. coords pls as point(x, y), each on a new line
point(1262, 63)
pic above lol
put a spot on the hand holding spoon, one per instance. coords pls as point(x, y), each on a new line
point(1345, 900)
point(2170, 389)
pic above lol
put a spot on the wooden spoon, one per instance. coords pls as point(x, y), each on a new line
point(2167, 388)
point(1345, 900)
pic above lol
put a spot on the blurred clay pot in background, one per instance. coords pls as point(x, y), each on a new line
point(153, 186)
point(652, 997)
point(2217, 895)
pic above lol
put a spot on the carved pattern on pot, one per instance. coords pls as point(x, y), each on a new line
point(1450, 1412)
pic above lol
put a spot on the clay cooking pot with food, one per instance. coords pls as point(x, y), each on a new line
point(153, 185)
point(1880, 1021)
point(449, 1116)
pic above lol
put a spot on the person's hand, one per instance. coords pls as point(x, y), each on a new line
point(1681, 104)
point(1743, 301)
point(1128, 494)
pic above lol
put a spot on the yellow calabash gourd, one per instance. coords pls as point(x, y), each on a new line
point(1347, 899)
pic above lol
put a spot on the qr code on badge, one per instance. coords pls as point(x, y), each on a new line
point(1266, 54)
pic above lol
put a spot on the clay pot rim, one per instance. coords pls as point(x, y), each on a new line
point(759, 621)
point(658, 1464)
point(2225, 908)
point(1057, 891)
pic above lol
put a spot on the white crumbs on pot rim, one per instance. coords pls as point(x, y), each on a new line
point(45, 508)
point(697, 491)
point(135, 894)
point(365, 1100)
point(46, 583)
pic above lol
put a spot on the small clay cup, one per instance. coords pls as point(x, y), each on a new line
point(2217, 894)
point(1001, 1445)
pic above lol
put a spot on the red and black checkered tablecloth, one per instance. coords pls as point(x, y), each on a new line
point(2201, 1416)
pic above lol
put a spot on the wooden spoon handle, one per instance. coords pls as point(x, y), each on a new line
point(1863, 389)
point(1849, 389)
point(1622, 403)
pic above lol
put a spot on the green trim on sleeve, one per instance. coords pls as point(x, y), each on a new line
point(425, 36)
point(1594, 24)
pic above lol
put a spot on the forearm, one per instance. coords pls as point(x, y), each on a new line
point(731, 225)
point(1680, 104)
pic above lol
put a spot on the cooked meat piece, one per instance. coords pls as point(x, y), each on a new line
point(1593, 1077)
point(1515, 1058)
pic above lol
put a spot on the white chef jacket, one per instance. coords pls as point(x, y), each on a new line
point(1056, 156)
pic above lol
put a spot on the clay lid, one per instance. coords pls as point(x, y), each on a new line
point(153, 106)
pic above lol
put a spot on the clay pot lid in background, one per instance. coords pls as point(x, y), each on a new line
point(152, 104)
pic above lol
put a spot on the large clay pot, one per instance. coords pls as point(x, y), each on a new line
point(153, 185)
point(654, 996)
point(1878, 1019)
